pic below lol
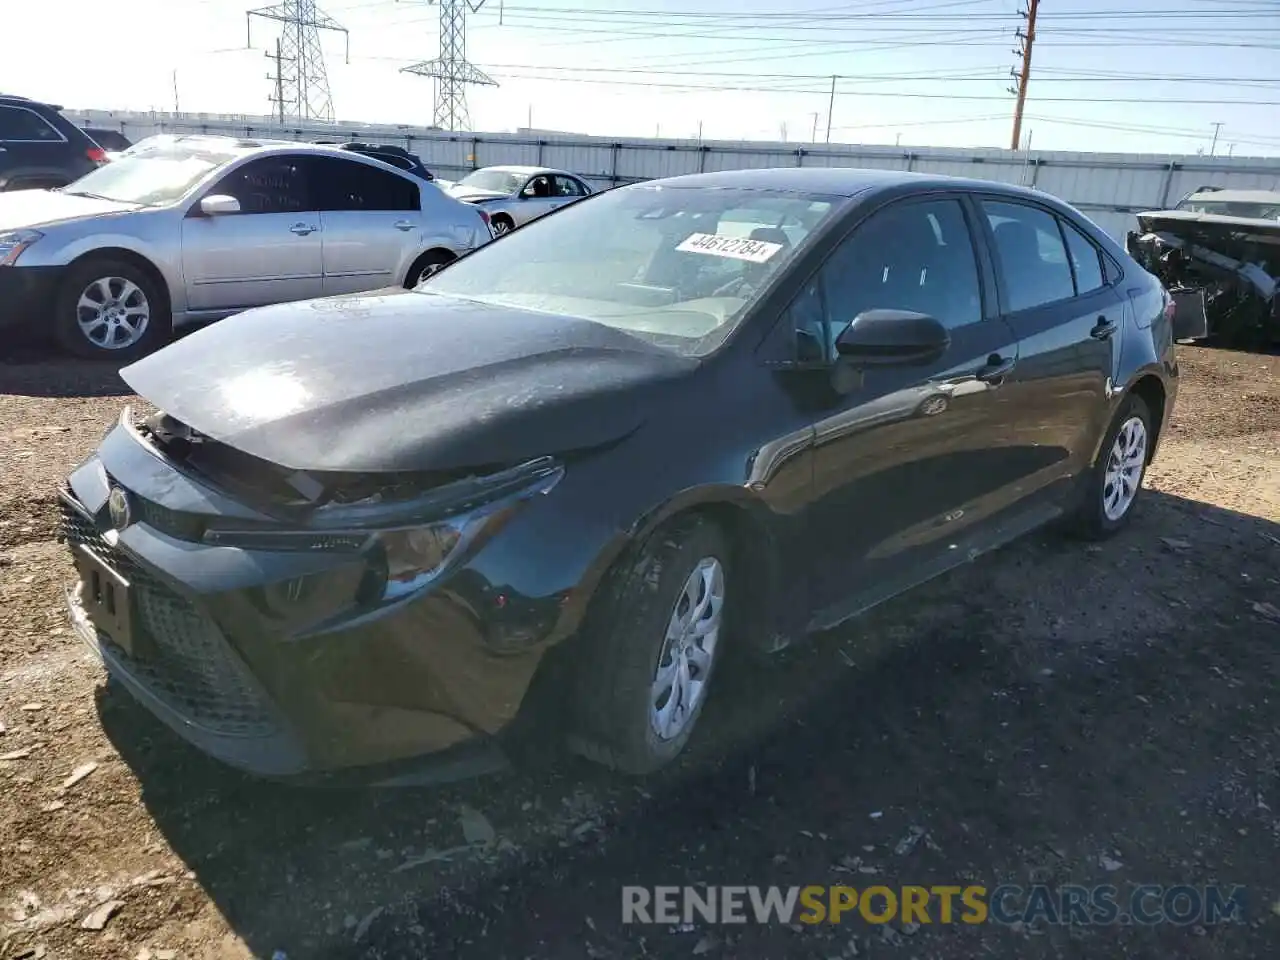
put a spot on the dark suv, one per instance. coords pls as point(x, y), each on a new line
point(39, 147)
point(398, 157)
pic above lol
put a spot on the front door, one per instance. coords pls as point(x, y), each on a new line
point(372, 224)
point(269, 252)
point(913, 466)
point(1056, 296)
point(534, 199)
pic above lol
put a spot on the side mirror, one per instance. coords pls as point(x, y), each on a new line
point(219, 205)
point(886, 337)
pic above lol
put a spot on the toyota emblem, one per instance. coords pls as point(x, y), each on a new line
point(118, 505)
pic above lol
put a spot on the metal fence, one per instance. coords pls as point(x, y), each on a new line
point(1108, 187)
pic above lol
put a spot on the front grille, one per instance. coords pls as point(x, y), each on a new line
point(187, 663)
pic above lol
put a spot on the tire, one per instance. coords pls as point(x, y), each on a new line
point(617, 700)
point(425, 265)
point(502, 225)
point(1109, 495)
point(121, 287)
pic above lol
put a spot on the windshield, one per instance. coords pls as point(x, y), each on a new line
point(499, 181)
point(152, 177)
point(1233, 208)
point(677, 266)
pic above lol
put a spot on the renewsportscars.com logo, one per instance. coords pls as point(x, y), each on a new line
point(1145, 904)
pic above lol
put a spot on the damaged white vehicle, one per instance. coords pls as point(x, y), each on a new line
point(1218, 253)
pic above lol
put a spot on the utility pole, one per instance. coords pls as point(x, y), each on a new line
point(1023, 77)
point(814, 137)
point(831, 106)
point(306, 94)
point(1213, 146)
point(450, 69)
point(279, 79)
point(175, 92)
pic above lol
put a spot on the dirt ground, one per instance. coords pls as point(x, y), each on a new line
point(1054, 713)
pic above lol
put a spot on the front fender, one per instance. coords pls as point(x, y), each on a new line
point(162, 253)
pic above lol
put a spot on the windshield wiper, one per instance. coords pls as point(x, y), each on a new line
point(86, 193)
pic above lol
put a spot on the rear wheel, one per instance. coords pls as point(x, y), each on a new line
point(110, 309)
point(426, 265)
point(652, 647)
point(1115, 481)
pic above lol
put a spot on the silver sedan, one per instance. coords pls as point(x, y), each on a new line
point(512, 196)
point(204, 227)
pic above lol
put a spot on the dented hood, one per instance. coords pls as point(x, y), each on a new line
point(405, 382)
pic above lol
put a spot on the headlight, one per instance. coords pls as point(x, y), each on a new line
point(13, 243)
point(409, 559)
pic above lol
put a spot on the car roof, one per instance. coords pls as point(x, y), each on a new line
point(527, 171)
point(841, 181)
point(13, 100)
point(1236, 196)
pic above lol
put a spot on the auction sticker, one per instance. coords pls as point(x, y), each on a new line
point(735, 248)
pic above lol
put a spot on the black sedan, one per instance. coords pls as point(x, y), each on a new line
point(569, 471)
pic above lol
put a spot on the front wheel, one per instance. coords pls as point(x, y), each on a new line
point(651, 649)
point(502, 225)
point(1115, 481)
point(110, 309)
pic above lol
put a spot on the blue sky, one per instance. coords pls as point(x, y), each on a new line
point(918, 72)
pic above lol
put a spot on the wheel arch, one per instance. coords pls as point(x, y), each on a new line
point(1151, 389)
point(421, 259)
point(742, 518)
point(133, 258)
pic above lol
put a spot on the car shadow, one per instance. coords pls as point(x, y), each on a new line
point(37, 369)
point(1013, 720)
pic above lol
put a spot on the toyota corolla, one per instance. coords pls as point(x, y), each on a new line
point(572, 471)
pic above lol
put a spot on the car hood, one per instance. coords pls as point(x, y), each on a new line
point(40, 208)
point(471, 194)
point(405, 382)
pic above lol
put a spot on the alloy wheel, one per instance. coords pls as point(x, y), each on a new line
point(1125, 463)
point(501, 226)
point(688, 651)
point(113, 313)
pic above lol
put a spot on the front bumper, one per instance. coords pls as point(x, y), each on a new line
point(26, 296)
point(418, 694)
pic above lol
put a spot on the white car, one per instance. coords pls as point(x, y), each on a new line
point(512, 196)
point(203, 227)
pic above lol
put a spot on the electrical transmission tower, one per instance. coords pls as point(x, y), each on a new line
point(450, 69)
point(305, 94)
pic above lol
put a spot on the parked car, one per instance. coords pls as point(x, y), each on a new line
point(202, 227)
point(512, 196)
point(558, 479)
point(1218, 253)
point(112, 141)
point(39, 147)
point(398, 157)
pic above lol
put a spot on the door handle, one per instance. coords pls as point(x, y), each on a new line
point(996, 368)
point(1103, 329)
point(403, 225)
point(302, 229)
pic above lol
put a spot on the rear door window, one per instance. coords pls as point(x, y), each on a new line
point(1086, 262)
point(20, 125)
point(1030, 255)
point(341, 184)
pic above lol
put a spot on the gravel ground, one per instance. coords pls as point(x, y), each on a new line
point(1054, 713)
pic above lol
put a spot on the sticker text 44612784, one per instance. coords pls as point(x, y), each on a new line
point(735, 248)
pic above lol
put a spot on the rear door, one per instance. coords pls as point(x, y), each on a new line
point(1055, 294)
point(32, 151)
point(566, 190)
point(372, 223)
point(269, 252)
